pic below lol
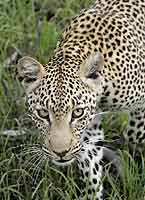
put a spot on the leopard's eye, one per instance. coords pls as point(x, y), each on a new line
point(77, 113)
point(43, 114)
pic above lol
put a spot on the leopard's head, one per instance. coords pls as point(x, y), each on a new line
point(62, 99)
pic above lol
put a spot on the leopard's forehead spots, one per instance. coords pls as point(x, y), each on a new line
point(61, 91)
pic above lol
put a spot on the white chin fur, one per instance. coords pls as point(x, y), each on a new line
point(63, 164)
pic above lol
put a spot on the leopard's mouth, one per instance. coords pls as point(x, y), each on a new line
point(63, 162)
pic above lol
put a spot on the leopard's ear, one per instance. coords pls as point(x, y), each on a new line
point(30, 71)
point(90, 70)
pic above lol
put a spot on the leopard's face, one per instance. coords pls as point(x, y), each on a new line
point(61, 115)
point(61, 103)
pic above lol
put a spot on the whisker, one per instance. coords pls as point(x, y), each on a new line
point(33, 165)
point(32, 147)
point(27, 163)
point(37, 169)
point(26, 145)
point(99, 142)
point(30, 151)
point(30, 161)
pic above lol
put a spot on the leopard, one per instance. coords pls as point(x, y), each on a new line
point(97, 66)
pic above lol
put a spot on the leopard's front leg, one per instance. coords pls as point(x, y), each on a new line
point(89, 161)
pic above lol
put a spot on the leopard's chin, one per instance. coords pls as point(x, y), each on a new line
point(63, 162)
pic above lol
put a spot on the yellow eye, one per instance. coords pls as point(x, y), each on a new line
point(77, 113)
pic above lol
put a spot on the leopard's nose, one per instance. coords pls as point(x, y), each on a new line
point(61, 154)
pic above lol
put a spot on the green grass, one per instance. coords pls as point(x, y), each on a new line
point(19, 31)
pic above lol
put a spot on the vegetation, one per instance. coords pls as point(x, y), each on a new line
point(30, 27)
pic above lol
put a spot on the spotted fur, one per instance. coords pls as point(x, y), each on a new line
point(99, 62)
